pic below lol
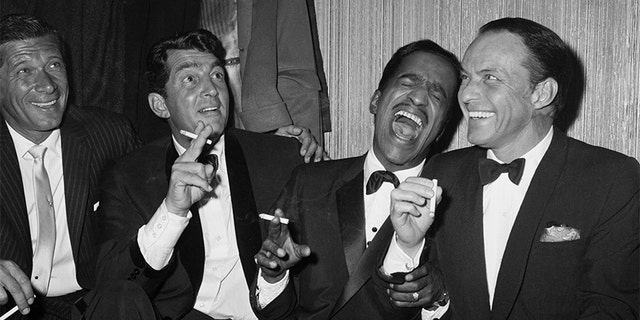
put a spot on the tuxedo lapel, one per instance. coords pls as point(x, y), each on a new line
point(523, 234)
point(245, 215)
point(13, 210)
point(466, 234)
point(350, 206)
point(76, 167)
point(366, 265)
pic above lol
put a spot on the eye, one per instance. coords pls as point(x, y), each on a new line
point(56, 64)
point(189, 79)
point(464, 77)
point(405, 82)
point(23, 71)
point(437, 96)
point(218, 75)
point(490, 77)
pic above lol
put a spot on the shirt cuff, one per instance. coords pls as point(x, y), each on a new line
point(397, 260)
point(436, 313)
point(159, 236)
point(267, 292)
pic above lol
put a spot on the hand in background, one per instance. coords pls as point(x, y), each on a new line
point(279, 252)
point(310, 147)
point(423, 287)
point(190, 180)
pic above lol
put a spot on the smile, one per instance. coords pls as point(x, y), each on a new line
point(209, 109)
point(406, 125)
point(44, 104)
point(480, 114)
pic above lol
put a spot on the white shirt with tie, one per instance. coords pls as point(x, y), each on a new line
point(63, 271)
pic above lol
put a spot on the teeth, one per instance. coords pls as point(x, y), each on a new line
point(480, 114)
point(44, 104)
point(209, 109)
point(410, 116)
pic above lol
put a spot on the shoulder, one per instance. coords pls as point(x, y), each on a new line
point(595, 160)
point(329, 172)
point(98, 118)
point(454, 159)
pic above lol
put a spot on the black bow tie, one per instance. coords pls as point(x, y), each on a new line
point(491, 170)
point(377, 178)
point(211, 159)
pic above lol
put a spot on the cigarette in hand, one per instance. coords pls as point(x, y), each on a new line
point(432, 203)
point(192, 136)
point(269, 217)
point(9, 313)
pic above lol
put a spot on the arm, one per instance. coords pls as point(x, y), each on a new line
point(610, 280)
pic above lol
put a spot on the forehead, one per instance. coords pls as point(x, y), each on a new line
point(16, 51)
point(495, 50)
point(430, 67)
point(182, 59)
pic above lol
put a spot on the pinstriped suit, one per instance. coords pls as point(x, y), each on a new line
point(91, 138)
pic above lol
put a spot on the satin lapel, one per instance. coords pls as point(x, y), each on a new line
point(13, 209)
point(465, 239)
point(350, 206)
point(245, 215)
point(366, 265)
point(76, 165)
point(523, 234)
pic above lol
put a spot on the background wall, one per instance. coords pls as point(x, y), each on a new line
point(357, 37)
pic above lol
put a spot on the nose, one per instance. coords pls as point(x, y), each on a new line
point(419, 96)
point(468, 91)
point(44, 83)
point(209, 88)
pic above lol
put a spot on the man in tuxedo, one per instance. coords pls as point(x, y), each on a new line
point(338, 252)
point(535, 225)
point(51, 156)
point(180, 216)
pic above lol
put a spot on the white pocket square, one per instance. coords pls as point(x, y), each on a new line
point(96, 205)
point(559, 233)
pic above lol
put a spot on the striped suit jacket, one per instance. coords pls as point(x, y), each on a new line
point(91, 139)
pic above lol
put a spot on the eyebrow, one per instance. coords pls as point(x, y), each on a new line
point(433, 84)
point(192, 64)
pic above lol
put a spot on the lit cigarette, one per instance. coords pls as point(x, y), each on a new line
point(269, 217)
point(189, 135)
point(432, 203)
point(9, 313)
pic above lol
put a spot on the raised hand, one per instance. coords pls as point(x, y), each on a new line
point(410, 212)
point(190, 180)
point(310, 146)
point(14, 282)
point(279, 252)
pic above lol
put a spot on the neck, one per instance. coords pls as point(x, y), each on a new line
point(524, 142)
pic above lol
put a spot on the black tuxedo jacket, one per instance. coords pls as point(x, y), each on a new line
point(340, 279)
point(258, 166)
point(91, 138)
point(596, 277)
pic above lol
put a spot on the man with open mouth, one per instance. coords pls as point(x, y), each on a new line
point(339, 236)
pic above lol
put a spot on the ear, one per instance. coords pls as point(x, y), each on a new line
point(158, 105)
point(373, 105)
point(544, 93)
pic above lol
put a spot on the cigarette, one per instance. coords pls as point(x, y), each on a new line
point(269, 217)
point(189, 135)
point(9, 313)
point(432, 203)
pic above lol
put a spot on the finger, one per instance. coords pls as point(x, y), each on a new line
point(325, 156)
point(319, 154)
point(195, 148)
point(409, 194)
point(417, 273)
point(272, 247)
point(311, 150)
point(405, 299)
point(301, 250)
point(412, 286)
point(264, 261)
point(16, 284)
point(400, 208)
point(190, 179)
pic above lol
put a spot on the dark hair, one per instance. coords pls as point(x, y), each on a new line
point(426, 46)
point(550, 56)
point(15, 27)
point(157, 68)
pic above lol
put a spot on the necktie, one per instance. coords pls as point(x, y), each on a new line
point(45, 243)
point(378, 177)
point(490, 170)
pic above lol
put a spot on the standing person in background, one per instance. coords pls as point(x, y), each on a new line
point(51, 156)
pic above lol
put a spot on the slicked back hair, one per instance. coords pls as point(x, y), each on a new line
point(16, 27)
point(157, 69)
point(549, 55)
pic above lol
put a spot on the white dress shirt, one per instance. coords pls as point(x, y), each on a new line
point(223, 292)
point(63, 271)
point(376, 207)
point(501, 202)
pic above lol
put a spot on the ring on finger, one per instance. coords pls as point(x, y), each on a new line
point(416, 296)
